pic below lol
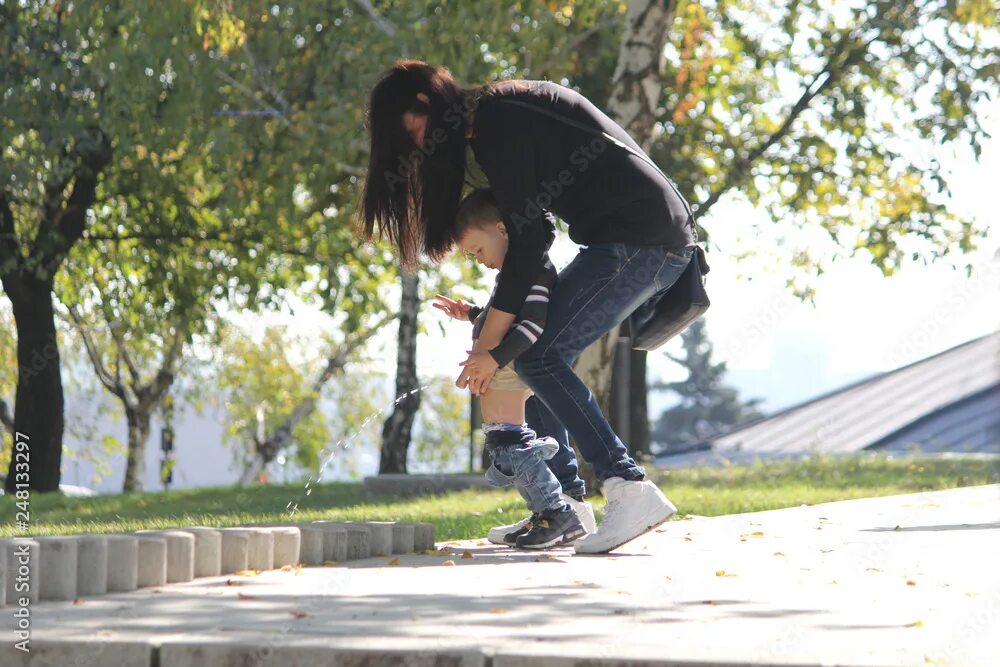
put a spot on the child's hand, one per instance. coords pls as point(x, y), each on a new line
point(478, 372)
point(457, 309)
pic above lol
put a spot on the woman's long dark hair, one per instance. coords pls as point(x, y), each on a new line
point(411, 193)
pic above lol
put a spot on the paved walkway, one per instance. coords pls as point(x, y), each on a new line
point(899, 580)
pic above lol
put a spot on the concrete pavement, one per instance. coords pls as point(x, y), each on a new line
point(898, 580)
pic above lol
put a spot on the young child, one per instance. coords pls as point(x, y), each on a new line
point(517, 453)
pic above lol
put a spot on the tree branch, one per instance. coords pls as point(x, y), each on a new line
point(165, 376)
point(115, 387)
point(133, 370)
point(558, 55)
point(283, 434)
point(58, 234)
point(383, 24)
point(9, 244)
point(820, 82)
point(215, 236)
point(339, 360)
point(252, 94)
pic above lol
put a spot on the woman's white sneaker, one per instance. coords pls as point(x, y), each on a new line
point(584, 511)
point(634, 508)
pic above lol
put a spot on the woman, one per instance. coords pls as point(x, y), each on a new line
point(636, 229)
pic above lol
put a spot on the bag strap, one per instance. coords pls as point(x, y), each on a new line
point(617, 142)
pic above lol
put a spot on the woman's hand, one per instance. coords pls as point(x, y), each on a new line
point(478, 371)
point(457, 309)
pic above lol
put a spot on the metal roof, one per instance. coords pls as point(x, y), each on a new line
point(970, 425)
point(889, 408)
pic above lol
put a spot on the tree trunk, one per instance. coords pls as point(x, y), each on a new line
point(594, 367)
point(397, 428)
point(639, 412)
point(138, 434)
point(38, 403)
point(635, 95)
point(254, 466)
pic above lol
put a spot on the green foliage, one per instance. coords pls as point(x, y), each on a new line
point(811, 110)
point(470, 514)
point(441, 427)
point(263, 381)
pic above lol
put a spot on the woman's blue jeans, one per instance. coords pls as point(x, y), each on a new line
point(602, 286)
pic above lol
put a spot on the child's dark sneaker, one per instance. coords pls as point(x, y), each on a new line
point(510, 539)
point(553, 528)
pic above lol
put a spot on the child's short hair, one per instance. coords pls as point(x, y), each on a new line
point(477, 209)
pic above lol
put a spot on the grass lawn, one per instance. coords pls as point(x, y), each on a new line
point(470, 514)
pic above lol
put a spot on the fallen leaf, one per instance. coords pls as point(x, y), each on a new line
point(758, 533)
point(872, 569)
point(77, 601)
point(298, 614)
point(911, 582)
point(244, 596)
point(448, 562)
point(723, 573)
point(687, 539)
point(778, 553)
point(466, 554)
point(247, 573)
point(832, 581)
point(710, 602)
point(915, 624)
point(394, 562)
point(232, 582)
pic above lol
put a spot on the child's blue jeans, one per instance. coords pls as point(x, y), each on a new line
point(519, 460)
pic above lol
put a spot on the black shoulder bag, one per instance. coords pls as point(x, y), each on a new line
point(664, 316)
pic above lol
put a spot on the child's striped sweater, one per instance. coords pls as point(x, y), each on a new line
point(530, 321)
